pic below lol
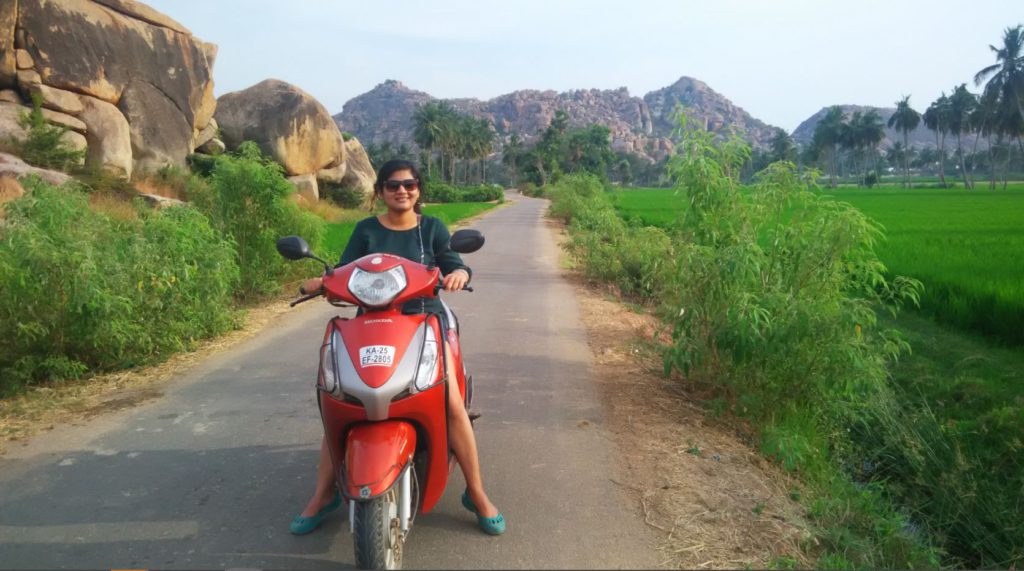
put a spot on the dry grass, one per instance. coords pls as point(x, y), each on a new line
point(153, 185)
point(717, 503)
point(331, 212)
point(114, 206)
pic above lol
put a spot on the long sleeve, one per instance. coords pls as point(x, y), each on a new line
point(450, 260)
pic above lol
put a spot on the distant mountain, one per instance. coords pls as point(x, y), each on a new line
point(638, 125)
point(918, 138)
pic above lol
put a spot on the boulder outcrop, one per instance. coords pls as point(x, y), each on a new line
point(295, 130)
point(287, 123)
point(641, 126)
point(140, 64)
point(12, 166)
point(108, 135)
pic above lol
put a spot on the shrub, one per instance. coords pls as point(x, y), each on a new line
point(246, 199)
point(82, 292)
point(440, 192)
point(530, 189)
point(342, 195)
point(44, 146)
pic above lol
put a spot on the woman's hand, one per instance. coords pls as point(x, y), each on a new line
point(456, 280)
point(311, 285)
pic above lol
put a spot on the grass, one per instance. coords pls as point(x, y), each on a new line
point(966, 246)
point(951, 449)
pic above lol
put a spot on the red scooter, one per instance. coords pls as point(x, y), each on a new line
point(382, 393)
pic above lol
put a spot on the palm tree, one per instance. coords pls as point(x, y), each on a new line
point(905, 119)
point(936, 118)
point(869, 133)
point(511, 154)
point(961, 105)
point(986, 120)
point(782, 146)
point(428, 126)
point(484, 136)
point(827, 137)
point(1006, 76)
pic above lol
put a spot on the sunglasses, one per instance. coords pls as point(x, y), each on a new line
point(410, 184)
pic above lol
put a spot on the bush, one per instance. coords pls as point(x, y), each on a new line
point(530, 189)
point(440, 192)
point(246, 199)
point(770, 296)
point(44, 146)
point(83, 292)
point(344, 196)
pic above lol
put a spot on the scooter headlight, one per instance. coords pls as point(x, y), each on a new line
point(377, 289)
point(426, 371)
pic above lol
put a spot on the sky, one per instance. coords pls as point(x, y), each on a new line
point(780, 60)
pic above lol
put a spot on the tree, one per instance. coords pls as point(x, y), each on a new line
point(826, 140)
point(782, 146)
point(961, 105)
point(905, 119)
point(1006, 76)
point(1006, 81)
point(512, 154)
point(430, 124)
point(936, 118)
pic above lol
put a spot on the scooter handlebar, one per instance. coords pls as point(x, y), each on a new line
point(305, 298)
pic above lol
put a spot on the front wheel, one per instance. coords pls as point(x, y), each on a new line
point(378, 533)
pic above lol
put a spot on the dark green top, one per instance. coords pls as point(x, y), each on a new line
point(417, 244)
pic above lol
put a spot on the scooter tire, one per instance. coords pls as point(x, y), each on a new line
point(378, 537)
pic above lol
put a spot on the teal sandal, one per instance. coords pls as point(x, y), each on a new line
point(302, 525)
point(490, 525)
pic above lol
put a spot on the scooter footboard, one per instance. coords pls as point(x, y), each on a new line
point(375, 454)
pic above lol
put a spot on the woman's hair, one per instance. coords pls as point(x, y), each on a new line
point(391, 167)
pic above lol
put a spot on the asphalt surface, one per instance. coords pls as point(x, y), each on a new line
point(210, 474)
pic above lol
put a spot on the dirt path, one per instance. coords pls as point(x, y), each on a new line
point(706, 498)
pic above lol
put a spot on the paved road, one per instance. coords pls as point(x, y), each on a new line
point(209, 475)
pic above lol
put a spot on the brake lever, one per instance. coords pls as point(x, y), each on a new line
point(305, 298)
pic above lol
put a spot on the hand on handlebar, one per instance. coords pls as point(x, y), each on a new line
point(456, 280)
point(311, 285)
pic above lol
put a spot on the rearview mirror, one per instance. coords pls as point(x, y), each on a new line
point(293, 248)
point(466, 241)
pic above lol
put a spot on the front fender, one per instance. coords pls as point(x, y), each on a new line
point(375, 454)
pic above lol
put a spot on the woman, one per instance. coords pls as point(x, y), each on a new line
point(402, 231)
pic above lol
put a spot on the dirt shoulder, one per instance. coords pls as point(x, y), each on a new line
point(717, 503)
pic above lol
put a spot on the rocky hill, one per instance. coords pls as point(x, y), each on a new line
point(638, 125)
point(918, 138)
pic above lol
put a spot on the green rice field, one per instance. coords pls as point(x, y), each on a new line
point(450, 213)
point(966, 246)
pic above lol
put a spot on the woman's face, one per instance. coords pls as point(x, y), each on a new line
point(401, 191)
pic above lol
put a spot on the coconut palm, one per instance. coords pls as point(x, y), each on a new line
point(936, 118)
point(1006, 76)
point(511, 154)
point(905, 119)
point(961, 105)
point(827, 138)
point(429, 125)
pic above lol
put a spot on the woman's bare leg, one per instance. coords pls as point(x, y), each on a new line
point(324, 483)
point(463, 442)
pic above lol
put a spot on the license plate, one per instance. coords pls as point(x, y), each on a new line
point(376, 356)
